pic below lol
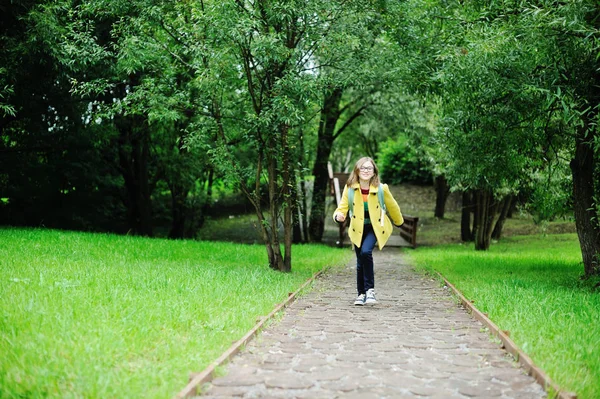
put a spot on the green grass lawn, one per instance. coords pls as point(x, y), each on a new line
point(106, 316)
point(531, 286)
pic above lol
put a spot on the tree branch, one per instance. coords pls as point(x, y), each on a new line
point(350, 120)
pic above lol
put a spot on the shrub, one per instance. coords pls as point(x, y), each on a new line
point(400, 163)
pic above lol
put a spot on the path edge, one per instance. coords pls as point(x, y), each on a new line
point(197, 379)
point(508, 344)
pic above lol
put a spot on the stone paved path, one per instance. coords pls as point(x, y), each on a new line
point(416, 342)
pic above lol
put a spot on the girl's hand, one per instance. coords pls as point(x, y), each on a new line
point(339, 216)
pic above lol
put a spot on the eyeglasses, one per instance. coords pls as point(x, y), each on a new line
point(366, 168)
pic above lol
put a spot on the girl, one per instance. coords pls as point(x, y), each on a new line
point(369, 206)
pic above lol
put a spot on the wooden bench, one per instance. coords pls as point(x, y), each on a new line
point(337, 180)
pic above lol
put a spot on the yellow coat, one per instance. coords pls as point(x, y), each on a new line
point(382, 232)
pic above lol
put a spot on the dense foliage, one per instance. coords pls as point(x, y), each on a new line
point(517, 94)
point(124, 115)
point(400, 163)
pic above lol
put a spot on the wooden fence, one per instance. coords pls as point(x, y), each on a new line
point(408, 230)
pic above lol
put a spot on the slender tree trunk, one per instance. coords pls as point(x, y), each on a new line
point(134, 154)
point(513, 207)
point(466, 234)
point(277, 261)
point(134, 159)
point(255, 200)
point(296, 195)
point(288, 200)
point(194, 218)
point(209, 191)
point(442, 189)
point(505, 207)
point(305, 191)
point(144, 178)
point(329, 117)
point(180, 188)
point(478, 226)
point(301, 189)
point(296, 210)
point(262, 222)
point(178, 210)
point(586, 217)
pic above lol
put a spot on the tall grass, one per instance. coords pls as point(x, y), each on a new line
point(106, 316)
point(531, 286)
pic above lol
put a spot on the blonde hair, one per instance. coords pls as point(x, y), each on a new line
point(355, 173)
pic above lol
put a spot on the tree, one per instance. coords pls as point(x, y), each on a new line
point(119, 58)
point(517, 81)
point(569, 35)
point(83, 49)
point(45, 134)
point(272, 44)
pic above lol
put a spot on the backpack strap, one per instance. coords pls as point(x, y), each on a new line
point(380, 196)
point(381, 200)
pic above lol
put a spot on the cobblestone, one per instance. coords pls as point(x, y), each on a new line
point(417, 342)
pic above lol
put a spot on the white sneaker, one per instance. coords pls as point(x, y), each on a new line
point(360, 300)
point(370, 297)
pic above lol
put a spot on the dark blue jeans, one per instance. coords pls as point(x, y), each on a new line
point(365, 276)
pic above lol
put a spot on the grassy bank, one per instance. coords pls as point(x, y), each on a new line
point(420, 201)
point(100, 316)
point(531, 286)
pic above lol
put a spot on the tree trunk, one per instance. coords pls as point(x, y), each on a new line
point(134, 153)
point(288, 200)
point(209, 191)
point(586, 182)
point(505, 207)
point(179, 192)
point(304, 215)
point(296, 223)
point(255, 200)
point(262, 222)
point(329, 117)
point(178, 210)
point(194, 218)
point(485, 212)
point(586, 217)
point(466, 234)
point(295, 195)
point(301, 192)
point(276, 262)
point(442, 189)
